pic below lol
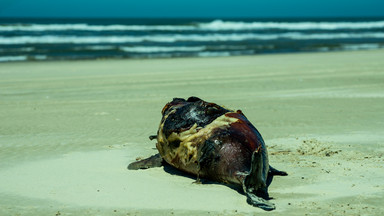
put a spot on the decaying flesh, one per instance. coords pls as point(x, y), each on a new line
point(212, 142)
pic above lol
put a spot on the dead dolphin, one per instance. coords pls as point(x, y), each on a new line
point(215, 143)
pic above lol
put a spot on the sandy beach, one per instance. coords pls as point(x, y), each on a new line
point(69, 129)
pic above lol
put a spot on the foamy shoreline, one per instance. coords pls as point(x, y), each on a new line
point(70, 128)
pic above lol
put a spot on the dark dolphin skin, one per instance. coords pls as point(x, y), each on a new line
point(215, 143)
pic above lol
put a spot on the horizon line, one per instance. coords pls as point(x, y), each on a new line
point(187, 17)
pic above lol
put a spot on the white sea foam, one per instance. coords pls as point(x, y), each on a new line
point(361, 46)
point(95, 47)
point(155, 49)
point(22, 58)
point(330, 36)
point(12, 58)
point(53, 39)
point(40, 57)
point(230, 25)
point(217, 25)
point(213, 54)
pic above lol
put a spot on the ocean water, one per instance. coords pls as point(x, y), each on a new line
point(72, 39)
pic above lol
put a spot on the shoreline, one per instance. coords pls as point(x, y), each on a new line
point(70, 128)
point(190, 57)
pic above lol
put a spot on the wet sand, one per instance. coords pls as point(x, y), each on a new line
point(69, 129)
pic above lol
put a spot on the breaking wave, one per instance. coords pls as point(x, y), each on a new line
point(217, 25)
point(53, 39)
point(150, 49)
point(230, 25)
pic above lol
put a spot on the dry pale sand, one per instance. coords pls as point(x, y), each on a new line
point(69, 129)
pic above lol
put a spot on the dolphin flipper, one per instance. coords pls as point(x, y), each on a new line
point(153, 161)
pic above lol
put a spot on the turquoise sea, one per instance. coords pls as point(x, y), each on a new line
point(72, 39)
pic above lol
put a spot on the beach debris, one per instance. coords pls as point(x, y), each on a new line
point(214, 143)
point(316, 147)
